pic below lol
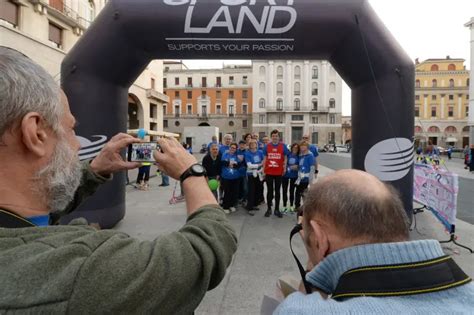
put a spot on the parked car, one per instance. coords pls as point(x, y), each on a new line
point(343, 148)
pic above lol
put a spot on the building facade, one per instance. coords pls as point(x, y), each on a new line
point(470, 118)
point(346, 129)
point(208, 97)
point(297, 97)
point(442, 102)
point(46, 30)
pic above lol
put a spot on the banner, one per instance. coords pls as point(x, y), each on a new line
point(438, 190)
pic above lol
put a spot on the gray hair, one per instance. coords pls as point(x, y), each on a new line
point(358, 214)
point(26, 87)
point(228, 135)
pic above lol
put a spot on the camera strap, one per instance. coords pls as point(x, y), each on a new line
point(12, 221)
point(296, 229)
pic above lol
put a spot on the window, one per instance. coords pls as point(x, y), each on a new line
point(190, 82)
point(204, 82)
point(190, 95)
point(433, 129)
point(177, 123)
point(231, 80)
point(261, 119)
point(451, 97)
point(451, 83)
point(153, 110)
point(176, 111)
point(165, 123)
point(433, 97)
point(245, 94)
point(152, 83)
point(204, 111)
point(153, 126)
point(332, 87)
point(261, 71)
point(189, 110)
point(332, 119)
point(314, 119)
point(297, 117)
point(9, 12)
point(417, 97)
point(331, 137)
point(418, 129)
point(314, 89)
point(315, 72)
point(261, 103)
point(467, 82)
point(231, 110)
point(279, 104)
point(218, 95)
point(218, 109)
point(165, 84)
point(164, 110)
point(434, 83)
point(434, 68)
point(450, 129)
point(218, 82)
point(244, 123)
point(176, 94)
point(244, 109)
point(467, 96)
point(314, 137)
point(297, 88)
point(450, 111)
point(417, 83)
point(245, 80)
point(261, 87)
point(467, 111)
point(297, 104)
point(433, 111)
point(297, 72)
point(451, 67)
point(55, 35)
point(231, 94)
point(332, 103)
point(280, 118)
point(203, 94)
point(280, 72)
point(279, 88)
point(176, 81)
point(315, 104)
point(417, 111)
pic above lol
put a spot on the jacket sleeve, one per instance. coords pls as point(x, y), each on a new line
point(168, 275)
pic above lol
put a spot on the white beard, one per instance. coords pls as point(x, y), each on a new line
point(59, 180)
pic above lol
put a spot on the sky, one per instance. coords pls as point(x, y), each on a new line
point(424, 28)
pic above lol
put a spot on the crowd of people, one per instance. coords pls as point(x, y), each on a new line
point(244, 167)
point(431, 155)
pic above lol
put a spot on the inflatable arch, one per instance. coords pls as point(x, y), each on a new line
point(128, 34)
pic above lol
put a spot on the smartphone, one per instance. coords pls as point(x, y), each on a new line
point(142, 152)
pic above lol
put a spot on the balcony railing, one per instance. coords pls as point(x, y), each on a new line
point(189, 85)
point(61, 10)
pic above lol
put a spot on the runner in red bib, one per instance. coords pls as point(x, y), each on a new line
point(274, 168)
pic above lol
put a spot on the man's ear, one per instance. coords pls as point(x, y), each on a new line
point(322, 237)
point(34, 133)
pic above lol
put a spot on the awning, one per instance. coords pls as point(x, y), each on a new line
point(451, 139)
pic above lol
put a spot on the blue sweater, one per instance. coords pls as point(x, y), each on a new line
point(253, 158)
point(243, 165)
point(292, 160)
point(306, 162)
point(227, 171)
point(458, 300)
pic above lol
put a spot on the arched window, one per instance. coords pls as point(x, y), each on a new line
point(417, 83)
point(297, 88)
point(280, 72)
point(315, 72)
point(451, 67)
point(332, 103)
point(279, 104)
point(279, 88)
point(450, 129)
point(261, 71)
point(314, 89)
point(451, 83)
point(91, 11)
point(262, 87)
point(467, 82)
point(297, 104)
point(434, 83)
point(434, 68)
point(465, 129)
point(332, 87)
point(297, 72)
point(261, 103)
point(314, 102)
point(433, 129)
point(418, 129)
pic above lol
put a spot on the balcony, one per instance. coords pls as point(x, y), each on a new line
point(218, 85)
point(153, 94)
point(188, 86)
point(64, 13)
point(321, 109)
point(203, 117)
point(297, 93)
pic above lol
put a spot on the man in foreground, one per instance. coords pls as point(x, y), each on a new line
point(351, 222)
point(74, 268)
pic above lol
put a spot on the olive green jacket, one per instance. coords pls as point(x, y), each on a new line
point(77, 269)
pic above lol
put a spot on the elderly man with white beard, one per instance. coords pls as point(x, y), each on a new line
point(75, 268)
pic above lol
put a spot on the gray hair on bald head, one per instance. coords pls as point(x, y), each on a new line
point(26, 87)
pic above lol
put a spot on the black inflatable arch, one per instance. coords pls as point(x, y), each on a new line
point(128, 34)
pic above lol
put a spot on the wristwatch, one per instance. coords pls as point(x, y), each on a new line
point(195, 170)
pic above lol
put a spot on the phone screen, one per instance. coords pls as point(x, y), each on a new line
point(142, 152)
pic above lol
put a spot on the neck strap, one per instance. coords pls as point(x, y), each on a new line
point(11, 220)
point(427, 276)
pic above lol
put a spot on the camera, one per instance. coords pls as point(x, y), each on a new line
point(142, 152)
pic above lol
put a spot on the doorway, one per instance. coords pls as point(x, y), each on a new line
point(296, 134)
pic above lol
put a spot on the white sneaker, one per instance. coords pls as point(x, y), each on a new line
point(226, 211)
point(232, 209)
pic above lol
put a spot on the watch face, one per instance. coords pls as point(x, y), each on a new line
point(198, 169)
